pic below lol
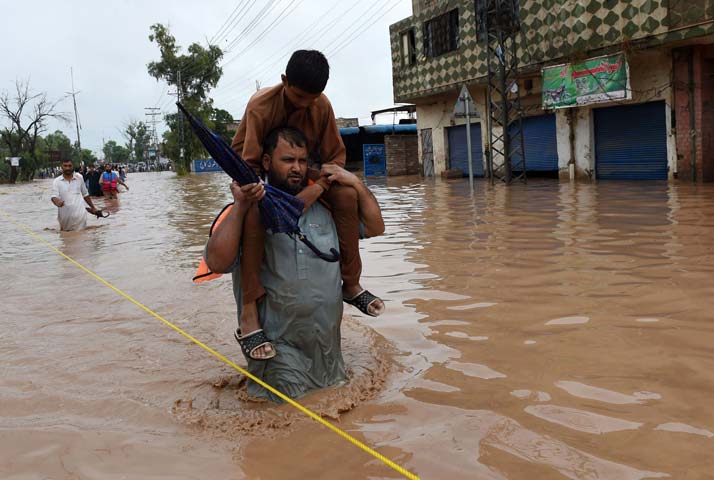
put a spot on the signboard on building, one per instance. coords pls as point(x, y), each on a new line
point(465, 104)
point(596, 80)
point(375, 159)
point(206, 165)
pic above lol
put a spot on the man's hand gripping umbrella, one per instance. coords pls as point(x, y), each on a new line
point(279, 210)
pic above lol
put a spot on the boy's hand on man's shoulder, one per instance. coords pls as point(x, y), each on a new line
point(335, 173)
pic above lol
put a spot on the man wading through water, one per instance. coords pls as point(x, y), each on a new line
point(299, 102)
point(301, 310)
point(69, 194)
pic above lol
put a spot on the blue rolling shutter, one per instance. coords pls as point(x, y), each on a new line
point(541, 145)
point(631, 142)
point(458, 154)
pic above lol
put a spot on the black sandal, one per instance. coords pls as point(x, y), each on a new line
point(251, 342)
point(362, 301)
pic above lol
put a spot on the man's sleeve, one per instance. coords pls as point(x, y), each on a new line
point(83, 187)
point(332, 149)
point(236, 262)
point(55, 190)
point(248, 140)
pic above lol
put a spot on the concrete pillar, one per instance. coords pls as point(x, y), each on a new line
point(564, 130)
point(584, 144)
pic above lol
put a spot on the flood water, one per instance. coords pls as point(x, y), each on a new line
point(546, 331)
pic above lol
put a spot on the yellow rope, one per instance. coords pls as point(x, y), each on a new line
point(284, 397)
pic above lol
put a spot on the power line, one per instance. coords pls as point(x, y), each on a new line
point(315, 35)
point(281, 16)
point(225, 23)
point(252, 24)
point(299, 38)
point(236, 21)
point(359, 31)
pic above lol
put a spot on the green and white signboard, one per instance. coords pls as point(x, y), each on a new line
point(596, 80)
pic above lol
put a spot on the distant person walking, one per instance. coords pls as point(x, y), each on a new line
point(93, 175)
point(69, 194)
point(109, 181)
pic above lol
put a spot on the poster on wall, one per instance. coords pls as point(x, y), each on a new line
point(375, 159)
point(596, 80)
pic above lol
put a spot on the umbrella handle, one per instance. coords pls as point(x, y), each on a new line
point(334, 254)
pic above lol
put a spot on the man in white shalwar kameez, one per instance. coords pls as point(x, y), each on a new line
point(69, 194)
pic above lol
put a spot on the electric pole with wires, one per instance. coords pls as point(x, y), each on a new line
point(180, 120)
point(499, 28)
point(76, 115)
point(153, 112)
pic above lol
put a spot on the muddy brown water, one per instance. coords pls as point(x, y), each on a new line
point(544, 331)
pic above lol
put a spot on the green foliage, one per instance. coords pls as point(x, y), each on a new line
point(86, 156)
point(139, 140)
point(220, 120)
point(115, 153)
point(199, 73)
point(58, 142)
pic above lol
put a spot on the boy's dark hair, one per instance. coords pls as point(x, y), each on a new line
point(308, 70)
point(292, 135)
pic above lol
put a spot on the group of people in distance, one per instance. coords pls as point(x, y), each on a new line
point(71, 191)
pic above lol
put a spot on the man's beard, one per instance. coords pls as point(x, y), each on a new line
point(285, 186)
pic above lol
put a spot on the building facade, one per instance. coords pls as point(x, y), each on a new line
point(662, 128)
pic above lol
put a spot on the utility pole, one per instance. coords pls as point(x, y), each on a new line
point(180, 117)
point(153, 112)
point(499, 28)
point(76, 116)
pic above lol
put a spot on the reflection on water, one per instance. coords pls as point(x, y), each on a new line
point(593, 298)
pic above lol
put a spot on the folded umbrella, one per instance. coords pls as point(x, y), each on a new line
point(279, 211)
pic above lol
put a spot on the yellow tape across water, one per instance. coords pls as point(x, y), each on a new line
point(284, 397)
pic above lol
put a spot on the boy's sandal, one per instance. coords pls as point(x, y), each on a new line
point(362, 301)
point(251, 342)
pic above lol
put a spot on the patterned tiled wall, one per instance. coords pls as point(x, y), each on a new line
point(553, 31)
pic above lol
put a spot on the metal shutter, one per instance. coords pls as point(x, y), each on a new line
point(631, 142)
point(540, 143)
point(458, 155)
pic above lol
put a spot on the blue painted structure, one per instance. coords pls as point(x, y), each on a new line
point(631, 142)
point(375, 160)
point(206, 165)
point(458, 153)
point(540, 143)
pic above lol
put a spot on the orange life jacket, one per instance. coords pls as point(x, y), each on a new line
point(203, 273)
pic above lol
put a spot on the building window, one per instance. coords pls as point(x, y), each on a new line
point(407, 48)
point(441, 34)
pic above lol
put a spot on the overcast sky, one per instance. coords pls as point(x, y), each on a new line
point(107, 44)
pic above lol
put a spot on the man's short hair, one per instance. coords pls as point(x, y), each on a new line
point(308, 70)
point(292, 135)
point(67, 160)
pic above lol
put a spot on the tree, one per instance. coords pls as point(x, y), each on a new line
point(138, 139)
point(27, 114)
point(199, 72)
point(115, 153)
point(58, 142)
point(85, 156)
point(221, 120)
